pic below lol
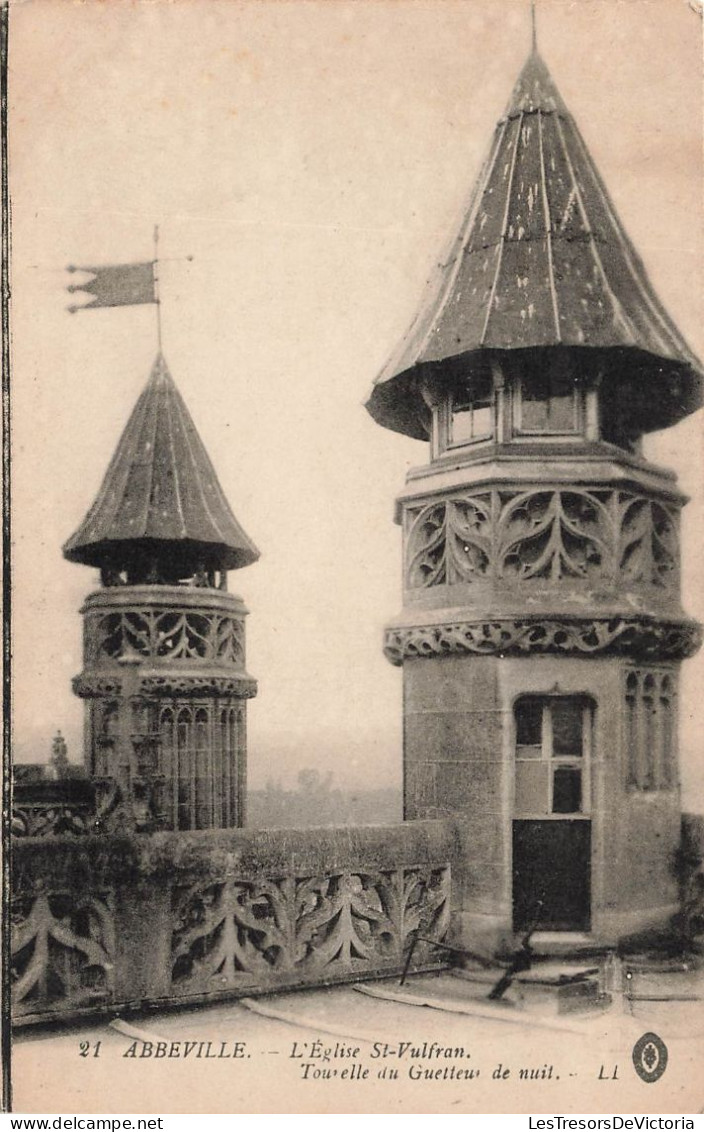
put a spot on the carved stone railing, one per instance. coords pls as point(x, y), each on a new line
point(110, 923)
point(555, 535)
point(53, 808)
point(163, 625)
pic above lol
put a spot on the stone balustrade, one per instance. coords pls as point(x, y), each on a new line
point(102, 924)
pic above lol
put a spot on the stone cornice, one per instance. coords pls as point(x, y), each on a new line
point(638, 637)
point(205, 599)
point(522, 470)
point(169, 684)
point(176, 685)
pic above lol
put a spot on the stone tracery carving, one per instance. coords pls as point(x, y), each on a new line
point(550, 533)
point(234, 914)
point(166, 634)
point(62, 950)
point(450, 541)
point(553, 534)
point(648, 548)
point(230, 933)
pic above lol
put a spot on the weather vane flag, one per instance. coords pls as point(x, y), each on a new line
point(117, 285)
point(122, 285)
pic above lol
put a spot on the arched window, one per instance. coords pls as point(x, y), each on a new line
point(667, 739)
point(203, 770)
point(650, 744)
point(166, 742)
point(232, 758)
point(105, 731)
point(185, 775)
point(167, 760)
point(650, 738)
point(632, 741)
point(226, 767)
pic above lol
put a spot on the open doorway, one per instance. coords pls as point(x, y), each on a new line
point(552, 823)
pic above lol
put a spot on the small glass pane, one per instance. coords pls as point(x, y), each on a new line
point(482, 419)
point(471, 420)
point(666, 759)
point(534, 403)
point(548, 402)
point(531, 788)
point(461, 430)
point(567, 790)
point(567, 727)
point(649, 750)
point(631, 742)
point(562, 405)
point(529, 723)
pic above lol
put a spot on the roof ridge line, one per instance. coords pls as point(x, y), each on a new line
point(191, 453)
point(502, 243)
point(615, 301)
point(152, 442)
point(176, 467)
point(548, 227)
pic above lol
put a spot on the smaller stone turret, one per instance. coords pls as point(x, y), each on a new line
point(164, 676)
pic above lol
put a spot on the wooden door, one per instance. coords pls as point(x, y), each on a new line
point(551, 875)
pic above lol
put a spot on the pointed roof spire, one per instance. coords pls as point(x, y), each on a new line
point(535, 90)
point(160, 495)
point(541, 260)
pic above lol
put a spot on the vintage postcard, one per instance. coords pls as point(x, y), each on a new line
point(357, 542)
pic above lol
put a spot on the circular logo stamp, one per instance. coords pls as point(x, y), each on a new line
point(650, 1058)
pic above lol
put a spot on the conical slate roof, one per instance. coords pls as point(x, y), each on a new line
point(160, 492)
point(541, 260)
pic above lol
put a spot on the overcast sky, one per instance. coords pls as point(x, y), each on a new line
point(313, 158)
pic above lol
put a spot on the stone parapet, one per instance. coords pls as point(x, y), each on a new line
point(189, 627)
point(549, 545)
point(106, 923)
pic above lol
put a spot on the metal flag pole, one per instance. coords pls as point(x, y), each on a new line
point(157, 297)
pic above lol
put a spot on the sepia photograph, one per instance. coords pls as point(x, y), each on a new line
point(356, 544)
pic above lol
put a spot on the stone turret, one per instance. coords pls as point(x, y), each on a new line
point(542, 631)
point(164, 676)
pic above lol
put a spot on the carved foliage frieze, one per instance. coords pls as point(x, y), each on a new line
point(240, 687)
point(166, 634)
point(236, 933)
point(51, 819)
point(657, 640)
point(551, 534)
point(62, 951)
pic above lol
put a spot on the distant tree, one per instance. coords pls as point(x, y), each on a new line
point(310, 781)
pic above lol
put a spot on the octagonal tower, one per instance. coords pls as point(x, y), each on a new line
point(542, 632)
point(164, 676)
